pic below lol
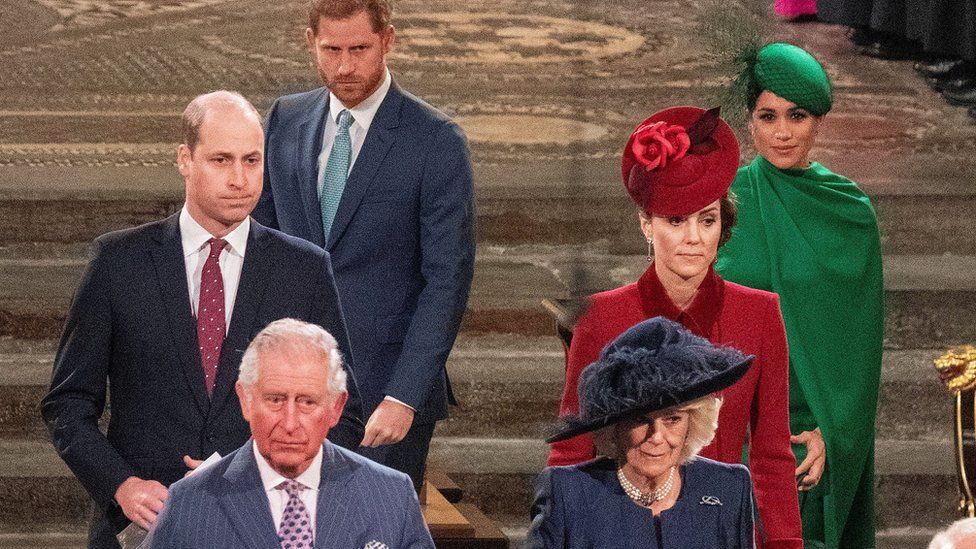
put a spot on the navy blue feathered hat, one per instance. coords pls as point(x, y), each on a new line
point(654, 365)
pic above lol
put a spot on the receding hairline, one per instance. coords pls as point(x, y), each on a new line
point(195, 113)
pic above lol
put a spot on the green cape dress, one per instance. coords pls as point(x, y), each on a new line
point(811, 236)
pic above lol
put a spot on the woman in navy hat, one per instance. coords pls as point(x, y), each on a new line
point(651, 400)
point(677, 166)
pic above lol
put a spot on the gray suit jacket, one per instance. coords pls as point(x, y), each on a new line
point(224, 506)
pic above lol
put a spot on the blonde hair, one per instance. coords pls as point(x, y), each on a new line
point(702, 423)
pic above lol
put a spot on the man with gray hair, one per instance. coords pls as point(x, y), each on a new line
point(162, 317)
point(960, 535)
point(288, 486)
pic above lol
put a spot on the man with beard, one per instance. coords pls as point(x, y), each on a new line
point(381, 180)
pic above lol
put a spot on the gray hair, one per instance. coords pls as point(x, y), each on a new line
point(959, 531)
point(195, 113)
point(294, 336)
point(702, 423)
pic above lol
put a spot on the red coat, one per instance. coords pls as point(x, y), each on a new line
point(727, 314)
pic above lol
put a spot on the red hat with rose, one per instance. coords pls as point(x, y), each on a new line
point(680, 160)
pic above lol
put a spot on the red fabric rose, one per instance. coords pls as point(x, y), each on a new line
point(658, 143)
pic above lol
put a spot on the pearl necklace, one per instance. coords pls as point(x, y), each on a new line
point(642, 499)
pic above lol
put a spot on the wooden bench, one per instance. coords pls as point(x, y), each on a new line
point(455, 525)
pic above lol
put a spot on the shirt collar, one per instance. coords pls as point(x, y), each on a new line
point(700, 316)
point(271, 479)
point(364, 112)
point(194, 236)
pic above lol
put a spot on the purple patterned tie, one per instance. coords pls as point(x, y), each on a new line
point(210, 313)
point(295, 531)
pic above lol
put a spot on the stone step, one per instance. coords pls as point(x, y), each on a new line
point(40, 494)
point(505, 394)
point(500, 480)
point(67, 536)
point(931, 298)
point(526, 202)
point(508, 386)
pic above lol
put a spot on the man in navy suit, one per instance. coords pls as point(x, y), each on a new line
point(285, 488)
point(162, 317)
point(382, 181)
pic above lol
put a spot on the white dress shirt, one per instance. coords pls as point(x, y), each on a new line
point(362, 115)
point(195, 253)
point(278, 497)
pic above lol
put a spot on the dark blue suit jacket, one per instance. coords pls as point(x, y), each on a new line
point(402, 243)
point(359, 501)
point(130, 332)
point(583, 506)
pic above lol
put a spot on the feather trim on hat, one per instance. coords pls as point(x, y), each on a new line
point(654, 365)
point(733, 35)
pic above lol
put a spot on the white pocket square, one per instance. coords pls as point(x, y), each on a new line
point(376, 545)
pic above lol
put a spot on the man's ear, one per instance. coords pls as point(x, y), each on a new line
point(389, 37)
point(183, 159)
point(310, 39)
point(337, 405)
point(245, 397)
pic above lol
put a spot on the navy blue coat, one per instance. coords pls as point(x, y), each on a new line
point(130, 333)
point(402, 243)
point(225, 507)
point(584, 506)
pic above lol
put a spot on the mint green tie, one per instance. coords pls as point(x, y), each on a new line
point(336, 172)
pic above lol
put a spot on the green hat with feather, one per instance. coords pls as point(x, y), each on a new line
point(792, 73)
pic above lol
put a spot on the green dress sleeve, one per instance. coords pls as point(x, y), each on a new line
point(812, 237)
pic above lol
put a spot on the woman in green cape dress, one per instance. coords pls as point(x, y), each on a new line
point(811, 236)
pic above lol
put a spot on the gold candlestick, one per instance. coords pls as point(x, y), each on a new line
point(957, 369)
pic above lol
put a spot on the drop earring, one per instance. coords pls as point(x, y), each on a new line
point(650, 249)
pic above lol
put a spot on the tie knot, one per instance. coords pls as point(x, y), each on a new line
point(345, 120)
point(216, 245)
point(292, 487)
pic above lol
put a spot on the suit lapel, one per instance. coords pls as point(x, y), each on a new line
point(171, 274)
point(379, 139)
point(245, 502)
point(307, 161)
point(332, 527)
point(247, 306)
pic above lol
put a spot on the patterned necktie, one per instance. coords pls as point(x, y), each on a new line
point(336, 172)
point(210, 313)
point(295, 531)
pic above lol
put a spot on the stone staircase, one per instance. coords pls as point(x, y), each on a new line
point(507, 365)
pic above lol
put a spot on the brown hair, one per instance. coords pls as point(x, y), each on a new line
point(380, 12)
point(728, 212)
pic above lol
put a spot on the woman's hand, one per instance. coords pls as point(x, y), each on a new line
point(808, 473)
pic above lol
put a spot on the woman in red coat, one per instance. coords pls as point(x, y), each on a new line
point(677, 166)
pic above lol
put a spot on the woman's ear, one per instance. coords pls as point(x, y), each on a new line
point(645, 225)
